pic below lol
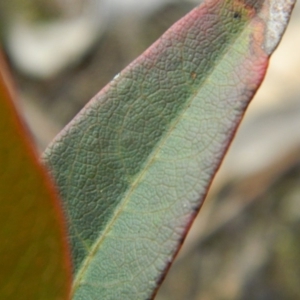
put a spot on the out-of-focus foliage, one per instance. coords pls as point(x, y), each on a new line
point(34, 256)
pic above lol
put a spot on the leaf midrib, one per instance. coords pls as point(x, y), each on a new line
point(148, 163)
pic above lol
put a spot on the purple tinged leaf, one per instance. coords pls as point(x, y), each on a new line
point(135, 165)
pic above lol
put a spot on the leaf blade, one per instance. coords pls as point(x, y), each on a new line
point(34, 254)
point(151, 103)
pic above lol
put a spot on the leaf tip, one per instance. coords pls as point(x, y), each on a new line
point(279, 12)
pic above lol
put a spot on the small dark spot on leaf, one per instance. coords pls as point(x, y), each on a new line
point(237, 15)
point(193, 75)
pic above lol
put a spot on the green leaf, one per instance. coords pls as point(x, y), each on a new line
point(134, 166)
point(34, 256)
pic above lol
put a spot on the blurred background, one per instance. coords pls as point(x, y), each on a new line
point(245, 243)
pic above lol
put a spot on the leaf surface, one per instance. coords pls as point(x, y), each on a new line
point(134, 166)
point(34, 257)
